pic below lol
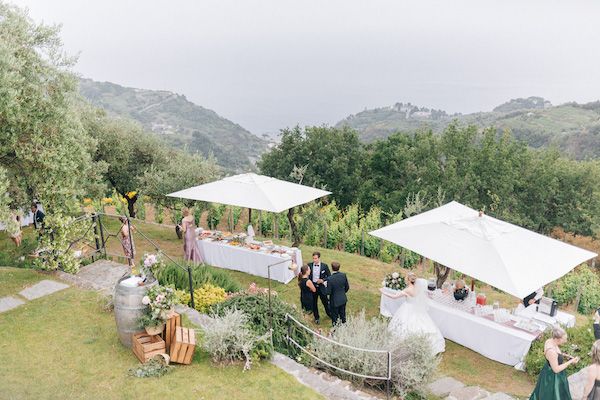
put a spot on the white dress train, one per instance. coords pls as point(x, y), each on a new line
point(412, 317)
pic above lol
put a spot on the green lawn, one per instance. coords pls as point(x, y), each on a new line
point(66, 346)
point(365, 276)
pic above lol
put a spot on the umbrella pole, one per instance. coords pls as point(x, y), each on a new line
point(249, 216)
point(472, 285)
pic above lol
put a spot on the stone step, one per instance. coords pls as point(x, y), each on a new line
point(443, 386)
point(9, 302)
point(468, 393)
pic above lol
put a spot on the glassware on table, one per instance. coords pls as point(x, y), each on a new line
point(431, 284)
point(446, 287)
point(496, 305)
point(481, 299)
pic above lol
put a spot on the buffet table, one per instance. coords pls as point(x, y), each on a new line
point(254, 262)
point(496, 341)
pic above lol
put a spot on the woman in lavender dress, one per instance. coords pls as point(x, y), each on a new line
point(191, 252)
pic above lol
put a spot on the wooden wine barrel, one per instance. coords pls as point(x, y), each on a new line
point(128, 309)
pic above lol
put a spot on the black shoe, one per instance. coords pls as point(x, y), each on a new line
point(317, 321)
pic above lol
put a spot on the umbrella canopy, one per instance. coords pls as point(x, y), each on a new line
point(506, 256)
point(253, 191)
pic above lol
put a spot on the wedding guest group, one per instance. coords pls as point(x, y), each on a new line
point(316, 281)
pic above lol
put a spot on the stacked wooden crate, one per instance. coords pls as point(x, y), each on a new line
point(183, 345)
point(169, 332)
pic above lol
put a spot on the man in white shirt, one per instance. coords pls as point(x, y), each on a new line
point(319, 272)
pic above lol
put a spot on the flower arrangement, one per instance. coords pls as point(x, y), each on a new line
point(394, 281)
point(159, 300)
point(152, 263)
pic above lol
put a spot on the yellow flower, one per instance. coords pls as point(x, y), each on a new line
point(107, 200)
point(131, 194)
point(87, 200)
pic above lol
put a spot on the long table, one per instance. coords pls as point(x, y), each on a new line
point(252, 262)
point(493, 340)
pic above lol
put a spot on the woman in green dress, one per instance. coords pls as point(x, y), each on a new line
point(552, 383)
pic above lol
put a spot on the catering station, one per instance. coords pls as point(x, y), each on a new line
point(508, 257)
point(239, 252)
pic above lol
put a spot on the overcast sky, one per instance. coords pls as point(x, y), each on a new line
point(271, 64)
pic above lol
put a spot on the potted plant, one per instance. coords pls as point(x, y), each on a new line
point(159, 301)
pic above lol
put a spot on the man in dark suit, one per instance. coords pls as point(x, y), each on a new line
point(337, 286)
point(38, 218)
point(319, 272)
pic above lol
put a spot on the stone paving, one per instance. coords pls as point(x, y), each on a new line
point(451, 389)
point(41, 289)
point(9, 302)
point(101, 275)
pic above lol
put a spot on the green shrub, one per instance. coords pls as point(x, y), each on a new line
point(579, 345)
point(228, 337)
point(207, 295)
point(176, 276)
point(256, 307)
point(583, 280)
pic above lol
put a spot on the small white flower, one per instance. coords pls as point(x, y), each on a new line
point(383, 283)
point(395, 275)
point(146, 300)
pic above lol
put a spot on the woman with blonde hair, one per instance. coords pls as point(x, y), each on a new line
point(191, 252)
point(552, 383)
point(412, 317)
point(592, 385)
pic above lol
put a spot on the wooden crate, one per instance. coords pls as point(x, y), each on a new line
point(147, 346)
point(169, 331)
point(183, 345)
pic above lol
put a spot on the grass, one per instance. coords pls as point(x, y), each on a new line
point(365, 276)
point(13, 280)
point(66, 346)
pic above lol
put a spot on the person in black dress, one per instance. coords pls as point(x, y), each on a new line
point(592, 385)
point(307, 289)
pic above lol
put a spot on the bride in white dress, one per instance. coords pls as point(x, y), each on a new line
point(412, 316)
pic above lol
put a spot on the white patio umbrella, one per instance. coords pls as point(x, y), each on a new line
point(506, 256)
point(253, 191)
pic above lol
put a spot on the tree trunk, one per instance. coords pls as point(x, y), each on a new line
point(441, 274)
point(294, 228)
point(130, 205)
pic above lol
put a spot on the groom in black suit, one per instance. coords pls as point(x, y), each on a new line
point(319, 272)
point(337, 286)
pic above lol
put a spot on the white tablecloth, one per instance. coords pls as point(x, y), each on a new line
point(561, 317)
point(252, 262)
point(488, 338)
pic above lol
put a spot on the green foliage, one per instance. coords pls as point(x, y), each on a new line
point(579, 344)
point(207, 295)
point(256, 307)
point(154, 368)
point(43, 145)
point(57, 244)
point(333, 158)
point(582, 280)
point(215, 214)
point(176, 276)
point(229, 337)
point(237, 212)
point(159, 213)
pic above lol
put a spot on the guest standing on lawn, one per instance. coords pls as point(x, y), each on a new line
point(337, 287)
point(127, 240)
point(592, 385)
point(191, 252)
point(319, 272)
point(14, 229)
point(552, 383)
point(307, 289)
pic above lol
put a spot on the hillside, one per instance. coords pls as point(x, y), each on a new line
point(573, 128)
point(179, 121)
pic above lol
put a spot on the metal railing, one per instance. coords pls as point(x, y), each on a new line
point(102, 235)
point(291, 341)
